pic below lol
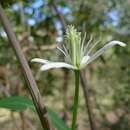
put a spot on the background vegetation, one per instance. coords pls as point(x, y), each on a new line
point(39, 26)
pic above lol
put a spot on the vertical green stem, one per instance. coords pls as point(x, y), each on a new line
point(76, 98)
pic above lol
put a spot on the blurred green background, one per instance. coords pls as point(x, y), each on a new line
point(39, 26)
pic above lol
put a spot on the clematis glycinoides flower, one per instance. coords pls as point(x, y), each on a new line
point(77, 54)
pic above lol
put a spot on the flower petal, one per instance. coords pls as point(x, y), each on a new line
point(42, 61)
point(56, 65)
point(104, 49)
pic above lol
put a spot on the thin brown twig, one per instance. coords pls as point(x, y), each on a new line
point(61, 17)
point(87, 100)
point(21, 11)
point(34, 91)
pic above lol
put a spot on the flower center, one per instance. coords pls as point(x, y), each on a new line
point(74, 39)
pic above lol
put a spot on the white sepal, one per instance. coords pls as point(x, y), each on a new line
point(56, 65)
point(85, 60)
point(104, 49)
point(42, 61)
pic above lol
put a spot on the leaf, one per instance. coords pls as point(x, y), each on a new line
point(57, 121)
point(18, 103)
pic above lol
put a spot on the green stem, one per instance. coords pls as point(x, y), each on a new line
point(76, 97)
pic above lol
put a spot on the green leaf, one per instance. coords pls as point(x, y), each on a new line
point(56, 120)
point(17, 103)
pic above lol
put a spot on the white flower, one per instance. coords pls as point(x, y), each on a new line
point(77, 55)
